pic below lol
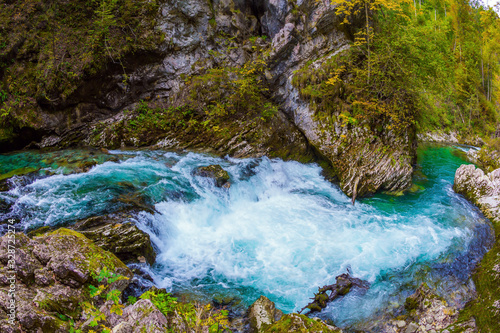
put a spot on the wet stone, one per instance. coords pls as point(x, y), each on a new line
point(116, 233)
point(217, 173)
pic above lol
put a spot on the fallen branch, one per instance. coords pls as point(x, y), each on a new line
point(343, 285)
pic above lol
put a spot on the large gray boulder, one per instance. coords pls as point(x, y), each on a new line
point(424, 312)
point(481, 189)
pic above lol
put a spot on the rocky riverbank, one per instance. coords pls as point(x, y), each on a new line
point(483, 189)
point(120, 232)
point(64, 282)
point(488, 157)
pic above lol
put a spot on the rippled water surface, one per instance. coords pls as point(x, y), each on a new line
point(280, 230)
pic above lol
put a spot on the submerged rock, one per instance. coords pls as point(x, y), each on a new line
point(52, 273)
point(119, 236)
point(217, 173)
point(428, 310)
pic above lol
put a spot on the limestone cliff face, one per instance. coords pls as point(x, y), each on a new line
point(298, 32)
point(363, 161)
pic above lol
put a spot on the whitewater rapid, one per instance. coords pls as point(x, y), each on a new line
point(280, 230)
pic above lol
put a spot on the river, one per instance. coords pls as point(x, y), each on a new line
point(280, 230)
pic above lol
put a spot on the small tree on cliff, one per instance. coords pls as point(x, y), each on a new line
point(353, 8)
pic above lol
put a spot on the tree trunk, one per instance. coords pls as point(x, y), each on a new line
point(489, 84)
point(368, 38)
point(482, 67)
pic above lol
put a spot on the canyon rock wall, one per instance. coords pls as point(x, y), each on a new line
point(198, 35)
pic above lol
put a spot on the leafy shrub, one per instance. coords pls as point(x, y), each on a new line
point(196, 318)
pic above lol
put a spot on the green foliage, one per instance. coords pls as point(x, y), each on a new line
point(407, 66)
point(194, 317)
point(163, 301)
point(339, 90)
point(226, 91)
point(157, 118)
point(105, 278)
point(131, 299)
point(488, 157)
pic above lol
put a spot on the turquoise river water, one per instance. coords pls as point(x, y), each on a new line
point(280, 230)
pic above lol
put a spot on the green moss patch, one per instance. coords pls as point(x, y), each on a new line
point(49, 48)
point(486, 307)
point(299, 323)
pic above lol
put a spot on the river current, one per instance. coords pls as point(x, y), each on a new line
point(281, 230)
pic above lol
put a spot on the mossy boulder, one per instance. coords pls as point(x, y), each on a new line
point(74, 258)
point(53, 271)
point(118, 234)
point(300, 323)
point(217, 173)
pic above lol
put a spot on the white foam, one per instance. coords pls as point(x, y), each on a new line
point(281, 229)
point(274, 233)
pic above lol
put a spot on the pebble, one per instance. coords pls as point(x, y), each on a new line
point(401, 323)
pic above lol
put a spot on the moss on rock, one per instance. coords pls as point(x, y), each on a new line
point(484, 191)
point(76, 258)
point(49, 49)
point(55, 272)
point(117, 234)
point(300, 324)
